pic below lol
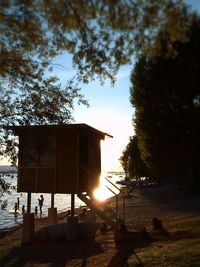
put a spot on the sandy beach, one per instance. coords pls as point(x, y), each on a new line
point(179, 212)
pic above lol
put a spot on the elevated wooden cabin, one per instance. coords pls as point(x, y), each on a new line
point(59, 158)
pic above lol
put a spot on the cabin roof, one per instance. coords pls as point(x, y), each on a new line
point(77, 126)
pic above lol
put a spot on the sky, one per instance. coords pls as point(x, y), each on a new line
point(195, 4)
point(110, 110)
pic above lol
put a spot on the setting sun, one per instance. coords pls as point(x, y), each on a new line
point(102, 192)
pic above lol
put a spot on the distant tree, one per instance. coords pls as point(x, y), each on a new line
point(131, 161)
point(165, 94)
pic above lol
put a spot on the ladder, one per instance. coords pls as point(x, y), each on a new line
point(101, 209)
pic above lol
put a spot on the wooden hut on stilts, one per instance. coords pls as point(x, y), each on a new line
point(64, 159)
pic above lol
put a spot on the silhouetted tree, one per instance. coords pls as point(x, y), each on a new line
point(165, 93)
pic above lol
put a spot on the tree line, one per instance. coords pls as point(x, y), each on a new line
point(165, 93)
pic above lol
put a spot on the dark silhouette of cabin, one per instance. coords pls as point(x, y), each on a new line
point(59, 158)
point(62, 159)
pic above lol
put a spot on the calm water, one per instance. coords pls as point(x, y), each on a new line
point(62, 202)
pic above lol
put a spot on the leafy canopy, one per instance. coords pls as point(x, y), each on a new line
point(101, 35)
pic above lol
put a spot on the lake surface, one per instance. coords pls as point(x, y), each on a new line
point(62, 201)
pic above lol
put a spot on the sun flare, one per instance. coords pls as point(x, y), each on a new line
point(102, 192)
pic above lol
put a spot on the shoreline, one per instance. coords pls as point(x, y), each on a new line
point(110, 202)
point(39, 222)
point(44, 216)
point(7, 216)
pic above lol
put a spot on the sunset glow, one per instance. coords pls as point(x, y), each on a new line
point(118, 125)
point(102, 192)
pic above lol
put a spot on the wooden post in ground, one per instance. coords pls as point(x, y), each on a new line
point(72, 204)
point(124, 208)
point(28, 232)
point(28, 202)
point(52, 212)
point(52, 200)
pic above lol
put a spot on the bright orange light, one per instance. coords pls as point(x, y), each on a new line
point(102, 192)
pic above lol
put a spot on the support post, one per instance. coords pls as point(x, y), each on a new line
point(52, 212)
point(91, 214)
point(52, 215)
point(52, 200)
point(117, 206)
point(116, 197)
point(28, 202)
point(28, 230)
point(72, 204)
point(124, 206)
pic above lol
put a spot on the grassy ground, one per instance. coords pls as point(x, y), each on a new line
point(180, 249)
point(177, 246)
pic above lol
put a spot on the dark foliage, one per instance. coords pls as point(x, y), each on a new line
point(166, 94)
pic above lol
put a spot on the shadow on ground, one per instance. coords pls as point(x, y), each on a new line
point(125, 250)
point(172, 199)
point(56, 254)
